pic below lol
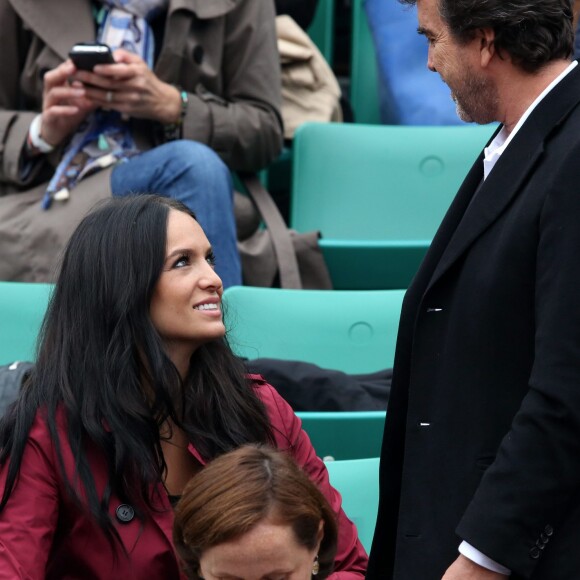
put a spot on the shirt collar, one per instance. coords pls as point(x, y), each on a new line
point(503, 138)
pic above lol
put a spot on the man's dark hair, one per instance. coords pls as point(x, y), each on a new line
point(531, 32)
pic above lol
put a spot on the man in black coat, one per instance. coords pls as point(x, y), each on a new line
point(481, 451)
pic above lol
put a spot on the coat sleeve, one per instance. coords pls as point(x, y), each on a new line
point(243, 125)
point(534, 481)
point(29, 519)
point(351, 558)
point(14, 121)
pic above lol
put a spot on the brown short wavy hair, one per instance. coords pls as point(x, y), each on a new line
point(238, 490)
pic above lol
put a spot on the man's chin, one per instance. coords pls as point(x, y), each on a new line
point(462, 113)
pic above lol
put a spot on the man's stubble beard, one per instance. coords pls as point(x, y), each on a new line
point(477, 100)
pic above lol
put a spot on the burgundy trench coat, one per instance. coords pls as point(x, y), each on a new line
point(44, 535)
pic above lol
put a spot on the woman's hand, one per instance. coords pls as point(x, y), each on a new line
point(130, 87)
point(64, 104)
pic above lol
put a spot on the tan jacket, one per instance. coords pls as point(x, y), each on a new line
point(310, 91)
point(223, 52)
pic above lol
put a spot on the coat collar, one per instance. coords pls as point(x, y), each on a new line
point(204, 9)
point(51, 21)
point(461, 228)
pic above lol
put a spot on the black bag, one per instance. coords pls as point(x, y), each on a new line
point(308, 387)
point(277, 256)
point(12, 377)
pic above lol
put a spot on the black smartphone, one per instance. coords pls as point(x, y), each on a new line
point(86, 55)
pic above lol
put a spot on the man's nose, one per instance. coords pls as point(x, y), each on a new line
point(430, 64)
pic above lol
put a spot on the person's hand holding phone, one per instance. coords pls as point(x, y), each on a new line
point(65, 104)
point(130, 87)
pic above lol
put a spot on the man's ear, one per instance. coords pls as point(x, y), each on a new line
point(486, 38)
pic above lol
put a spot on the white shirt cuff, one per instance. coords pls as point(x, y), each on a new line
point(476, 556)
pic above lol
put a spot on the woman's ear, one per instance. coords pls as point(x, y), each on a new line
point(319, 535)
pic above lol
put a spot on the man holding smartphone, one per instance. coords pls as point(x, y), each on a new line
point(191, 95)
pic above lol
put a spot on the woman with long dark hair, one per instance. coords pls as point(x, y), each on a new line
point(133, 391)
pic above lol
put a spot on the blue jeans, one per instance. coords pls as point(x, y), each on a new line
point(193, 174)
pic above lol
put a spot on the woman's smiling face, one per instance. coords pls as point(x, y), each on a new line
point(186, 304)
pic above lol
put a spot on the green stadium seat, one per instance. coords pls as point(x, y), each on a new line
point(344, 434)
point(354, 332)
point(321, 30)
point(22, 309)
point(364, 83)
point(357, 480)
point(377, 193)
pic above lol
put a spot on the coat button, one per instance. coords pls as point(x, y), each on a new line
point(535, 553)
point(540, 544)
point(548, 530)
point(198, 54)
point(544, 539)
point(125, 513)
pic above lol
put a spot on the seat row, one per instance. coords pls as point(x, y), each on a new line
point(377, 194)
point(350, 442)
point(349, 331)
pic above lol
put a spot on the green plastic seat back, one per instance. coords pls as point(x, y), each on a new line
point(321, 29)
point(378, 193)
point(374, 264)
point(344, 434)
point(364, 83)
point(357, 480)
point(367, 182)
point(350, 331)
point(22, 309)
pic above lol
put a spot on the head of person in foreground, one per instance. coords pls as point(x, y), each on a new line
point(253, 514)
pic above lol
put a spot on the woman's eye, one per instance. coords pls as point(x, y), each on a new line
point(210, 259)
point(181, 262)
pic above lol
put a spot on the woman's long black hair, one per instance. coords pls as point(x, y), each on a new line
point(101, 365)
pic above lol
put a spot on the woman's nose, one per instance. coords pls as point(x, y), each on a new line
point(210, 279)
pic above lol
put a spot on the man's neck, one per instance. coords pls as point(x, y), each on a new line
point(519, 89)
